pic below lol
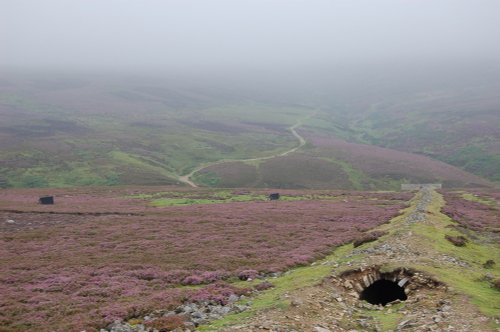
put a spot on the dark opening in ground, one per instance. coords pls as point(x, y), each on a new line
point(382, 292)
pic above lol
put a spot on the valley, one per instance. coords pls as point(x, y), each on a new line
point(77, 130)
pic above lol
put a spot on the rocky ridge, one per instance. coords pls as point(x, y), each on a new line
point(335, 305)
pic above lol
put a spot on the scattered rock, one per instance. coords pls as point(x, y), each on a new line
point(263, 286)
point(233, 298)
point(119, 326)
point(405, 324)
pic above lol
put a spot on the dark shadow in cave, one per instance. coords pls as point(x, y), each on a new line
point(382, 292)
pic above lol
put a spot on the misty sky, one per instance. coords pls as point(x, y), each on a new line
point(244, 33)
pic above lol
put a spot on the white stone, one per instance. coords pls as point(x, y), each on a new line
point(358, 287)
point(402, 282)
point(320, 329)
point(366, 281)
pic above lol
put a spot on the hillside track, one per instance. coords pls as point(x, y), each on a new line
point(186, 179)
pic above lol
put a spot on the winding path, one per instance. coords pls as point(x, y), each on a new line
point(187, 178)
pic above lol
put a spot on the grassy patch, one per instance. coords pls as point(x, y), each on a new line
point(173, 201)
point(209, 179)
point(476, 198)
point(480, 292)
point(214, 196)
point(475, 253)
point(179, 201)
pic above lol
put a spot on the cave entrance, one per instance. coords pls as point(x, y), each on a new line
point(382, 292)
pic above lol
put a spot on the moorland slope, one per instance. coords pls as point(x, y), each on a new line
point(73, 130)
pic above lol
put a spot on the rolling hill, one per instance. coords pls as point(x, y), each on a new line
point(90, 129)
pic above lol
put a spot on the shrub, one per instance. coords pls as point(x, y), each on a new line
point(489, 264)
point(192, 280)
point(458, 241)
point(496, 283)
point(248, 274)
point(167, 323)
point(369, 237)
point(212, 276)
point(263, 286)
point(217, 293)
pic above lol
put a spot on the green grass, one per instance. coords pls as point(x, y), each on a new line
point(209, 179)
point(475, 253)
point(165, 138)
point(217, 198)
point(483, 200)
point(129, 159)
point(167, 145)
point(471, 283)
point(179, 201)
point(356, 177)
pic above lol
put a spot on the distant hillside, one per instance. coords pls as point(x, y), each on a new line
point(457, 126)
point(87, 130)
point(90, 131)
point(334, 163)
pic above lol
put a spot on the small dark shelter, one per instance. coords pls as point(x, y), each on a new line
point(274, 196)
point(46, 200)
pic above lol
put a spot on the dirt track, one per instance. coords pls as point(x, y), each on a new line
point(187, 178)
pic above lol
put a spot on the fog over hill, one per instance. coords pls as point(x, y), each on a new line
point(122, 92)
point(224, 34)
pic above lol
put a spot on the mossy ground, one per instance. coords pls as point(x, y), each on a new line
point(471, 282)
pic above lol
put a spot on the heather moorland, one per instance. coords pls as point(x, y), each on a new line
point(88, 129)
point(249, 166)
point(98, 254)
